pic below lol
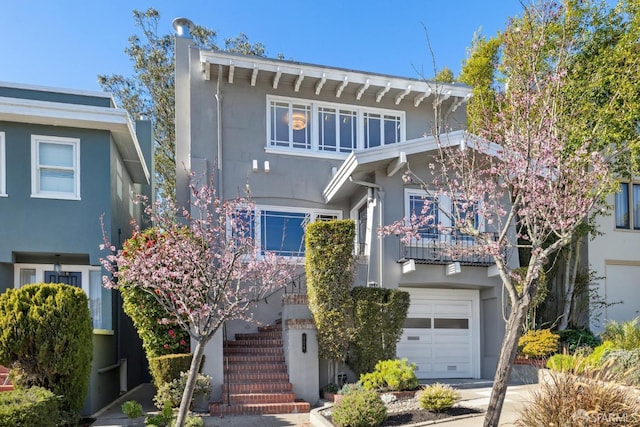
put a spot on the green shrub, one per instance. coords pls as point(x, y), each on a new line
point(391, 375)
point(567, 363)
point(594, 360)
point(572, 340)
point(349, 387)
point(162, 418)
point(437, 397)
point(132, 409)
point(167, 368)
point(379, 317)
point(35, 406)
point(538, 343)
point(172, 391)
point(359, 409)
point(623, 365)
point(624, 335)
point(46, 338)
point(158, 337)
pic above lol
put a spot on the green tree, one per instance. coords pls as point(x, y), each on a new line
point(329, 265)
point(150, 91)
point(445, 75)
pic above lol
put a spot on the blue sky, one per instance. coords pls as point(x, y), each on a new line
point(67, 43)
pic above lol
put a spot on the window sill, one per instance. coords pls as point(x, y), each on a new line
point(103, 332)
point(306, 153)
point(55, 197)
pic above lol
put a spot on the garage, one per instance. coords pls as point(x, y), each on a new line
point(441, 333)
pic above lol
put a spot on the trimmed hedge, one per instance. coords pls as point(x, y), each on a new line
point(379, 315)
point(35, 406)
point(46, 338)
point(167, 368)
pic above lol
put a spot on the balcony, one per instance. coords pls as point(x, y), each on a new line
point(441, 248)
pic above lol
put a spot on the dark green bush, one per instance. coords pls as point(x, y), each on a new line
point(437, 397)
point(359, 409)
point(167, 368)
point(572, 340)
point(379, 316)
point(46, 338)
point(35, 406)
point(158, 338)
point(391, 375)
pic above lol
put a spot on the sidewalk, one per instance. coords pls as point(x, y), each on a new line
point(474, 394)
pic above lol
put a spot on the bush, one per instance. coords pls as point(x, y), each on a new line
point(167, 368)
point(35, 406)
point(594, 360)
point(359, 409)
point(349, 387)
point(623, 335)
point(132, 409)
point(46, 338)
point(538, 343)
point(391, 375)
point(623, 365)
point(172, 391)
point(567, 363)
point(573, 400)
point(158, 337)
point(379, 317)
point(572, 340)
point(437, 397)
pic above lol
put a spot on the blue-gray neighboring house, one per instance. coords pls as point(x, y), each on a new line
point(68, 157)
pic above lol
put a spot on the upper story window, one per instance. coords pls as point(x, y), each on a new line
point(327, 128)
point(628, 206)
point(421, 205)
point(281, 230)
point(55, 167)
point(3, 167)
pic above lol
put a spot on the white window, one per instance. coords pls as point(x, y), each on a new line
point(281, 230)
point(3, 167)
point(329, 128)
point(86, 277)
point(55, 167)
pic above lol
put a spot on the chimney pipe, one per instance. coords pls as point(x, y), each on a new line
point(182, 27)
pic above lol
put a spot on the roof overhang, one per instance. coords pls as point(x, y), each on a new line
point(393, 158)
point(113, 120)
point(324, 79)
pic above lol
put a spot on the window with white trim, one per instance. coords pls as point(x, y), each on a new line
point(281, 230)
point(418, 203)
point(3, 167)
point(628, 206)
point(325, 127)
point(55, 167)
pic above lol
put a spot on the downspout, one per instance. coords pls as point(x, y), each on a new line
point(219, 134)
point(380, 197)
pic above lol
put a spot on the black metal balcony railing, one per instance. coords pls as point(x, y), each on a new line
point(441, 248)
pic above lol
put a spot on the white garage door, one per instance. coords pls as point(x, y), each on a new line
point(441, 333)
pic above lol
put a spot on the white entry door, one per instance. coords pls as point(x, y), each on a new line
point(441, 333)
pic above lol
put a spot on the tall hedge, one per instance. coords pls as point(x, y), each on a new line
point(379, 315)
point(330, 271)
point(46, 338)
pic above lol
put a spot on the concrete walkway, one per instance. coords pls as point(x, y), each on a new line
point(474, 394)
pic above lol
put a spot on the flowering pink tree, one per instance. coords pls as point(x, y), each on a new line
point(203, 268)
point(531, 187)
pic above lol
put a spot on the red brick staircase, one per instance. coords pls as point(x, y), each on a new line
point(256, 379)
point(5, 385)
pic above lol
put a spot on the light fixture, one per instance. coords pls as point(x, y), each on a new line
point(452, 268)
point(57, 268)
point(298, 120)
point(267, 168)
point(408, 266)
point(254, 165)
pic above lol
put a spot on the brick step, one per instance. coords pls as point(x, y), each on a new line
point(272, 342)
point(7, 387)
point(253, 350)
point(268, 387)
point(250, 368)
point(259, 336)
point(217, 409)
point(242, 398)
point(254, 358)
point(256, 376)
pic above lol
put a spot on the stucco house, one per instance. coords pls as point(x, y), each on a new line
point(318, 142)
point(68, 157)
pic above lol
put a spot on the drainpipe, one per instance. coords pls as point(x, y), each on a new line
point(376, 190)
point(219, 132)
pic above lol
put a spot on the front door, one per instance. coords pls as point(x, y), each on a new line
point(72, 278)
